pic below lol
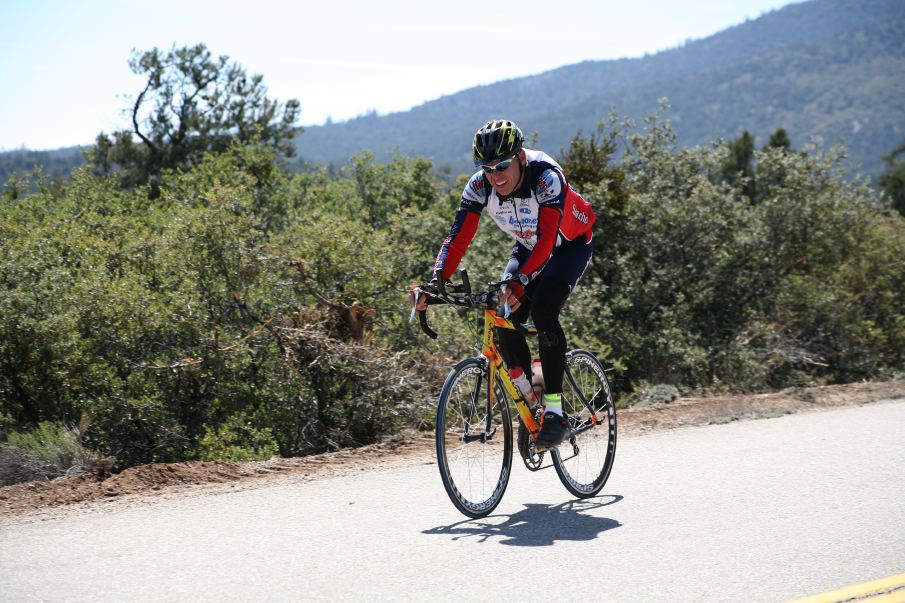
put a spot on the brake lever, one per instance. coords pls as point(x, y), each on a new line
point(416, 293)
point(466, 284)
point(422, 316)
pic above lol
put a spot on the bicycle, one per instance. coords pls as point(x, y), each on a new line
point(474, 429)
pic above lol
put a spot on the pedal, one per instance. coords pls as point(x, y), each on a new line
point(531, 456)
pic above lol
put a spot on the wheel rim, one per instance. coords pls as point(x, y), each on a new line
point(475, 472)
point(586, 459)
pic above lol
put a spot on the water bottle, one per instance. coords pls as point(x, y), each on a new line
point(521, 382)
point(537, 378)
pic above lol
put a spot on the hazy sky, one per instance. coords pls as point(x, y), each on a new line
point(64, 73)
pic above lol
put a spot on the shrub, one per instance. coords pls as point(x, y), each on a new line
point(698, 284)
point(49, 450)
point(648, 395)
point(237, 439)
point(244, 308)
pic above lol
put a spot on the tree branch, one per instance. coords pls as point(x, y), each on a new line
point(135, 127)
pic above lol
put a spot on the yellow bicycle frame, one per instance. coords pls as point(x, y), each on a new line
point(497, 368)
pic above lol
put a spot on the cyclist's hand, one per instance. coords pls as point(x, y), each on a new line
point(512, 293)
point(420, 304)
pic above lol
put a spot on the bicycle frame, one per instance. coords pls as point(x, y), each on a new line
point(497, 366)
point(499, 370)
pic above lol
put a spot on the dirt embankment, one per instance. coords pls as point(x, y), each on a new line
point(161, 479)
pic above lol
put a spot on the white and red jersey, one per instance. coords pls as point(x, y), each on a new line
point(542, 213)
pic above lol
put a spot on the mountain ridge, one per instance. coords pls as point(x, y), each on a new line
point(830, 71)
point(567, 93)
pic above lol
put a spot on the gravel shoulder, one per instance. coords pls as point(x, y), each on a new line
point(36, 501)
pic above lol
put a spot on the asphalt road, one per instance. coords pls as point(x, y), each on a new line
point(765, 510)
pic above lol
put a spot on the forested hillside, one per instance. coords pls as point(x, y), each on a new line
point(57, 163)
point(827, 69)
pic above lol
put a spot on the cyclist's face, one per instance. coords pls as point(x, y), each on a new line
point(506, 181)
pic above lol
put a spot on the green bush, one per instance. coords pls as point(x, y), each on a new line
point(697, 284)
point(49, 450)
point(162, 320)
point(237, 440)
point(246, 308)
point(651, 395)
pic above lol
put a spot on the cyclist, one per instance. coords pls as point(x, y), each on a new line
point(526, 194)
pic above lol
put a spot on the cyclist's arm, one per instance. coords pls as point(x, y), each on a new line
point(474, 199)
point(547, 229)
point(517, 257)
point(456, 244)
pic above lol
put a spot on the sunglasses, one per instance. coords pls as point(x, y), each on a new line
point(489, 169)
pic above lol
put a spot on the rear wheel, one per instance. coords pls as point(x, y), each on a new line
point(584, 461)
point(474, 439)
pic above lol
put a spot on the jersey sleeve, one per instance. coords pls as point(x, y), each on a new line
point(474, 197)
point(464, 227)
point(550, 188)
point(456, 244)
point(577, 216)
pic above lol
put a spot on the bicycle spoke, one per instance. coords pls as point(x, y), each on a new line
point(474, 461)
point(585, 461)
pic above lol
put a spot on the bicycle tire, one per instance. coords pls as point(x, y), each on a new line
point(475, 470)
point(585, 460)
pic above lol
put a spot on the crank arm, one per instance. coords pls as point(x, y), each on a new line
point(479, 437)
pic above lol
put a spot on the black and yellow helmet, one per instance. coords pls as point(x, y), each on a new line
point(497, 140)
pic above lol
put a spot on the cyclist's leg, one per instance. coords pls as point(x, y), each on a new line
point(557, 280)
point(513, 345)
point(549, 299)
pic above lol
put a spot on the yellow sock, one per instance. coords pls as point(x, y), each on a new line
point(553, 403)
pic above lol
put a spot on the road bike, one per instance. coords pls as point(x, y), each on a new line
point(474, 427)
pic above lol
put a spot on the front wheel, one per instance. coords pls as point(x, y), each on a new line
point(584, 461)
point(474, 438)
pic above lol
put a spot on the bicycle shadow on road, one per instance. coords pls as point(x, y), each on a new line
point(536, 524)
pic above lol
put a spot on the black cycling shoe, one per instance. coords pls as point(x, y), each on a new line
point(553, 431)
